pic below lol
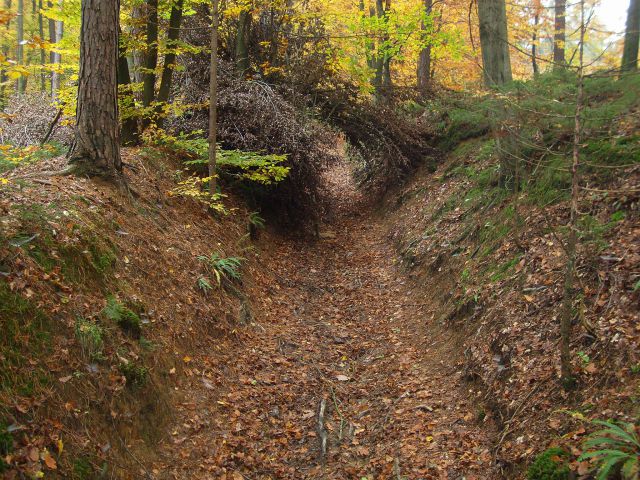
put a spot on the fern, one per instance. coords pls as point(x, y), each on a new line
point(223, 268)
point(615, 449)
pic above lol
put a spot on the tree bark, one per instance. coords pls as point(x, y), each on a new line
point(494, 42)
point(424, 60)
point(22, 81)
point(129, 134)
point(43, 55)
point(213, 99)
point(631, 38)
point(151, 59)
point(175, 21)
point(97, 147)
point(56, 32)
point(537, 6)
point(559, 37)
point(242, 38)
point(566, 313)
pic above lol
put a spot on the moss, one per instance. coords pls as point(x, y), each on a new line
point(26, 334)
point(88, 260)
point(135, 374)
point(128, 320)
point(552, 464)
point(6, 446)
point(82, 469)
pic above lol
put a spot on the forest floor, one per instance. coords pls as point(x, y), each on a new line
point(337, 377)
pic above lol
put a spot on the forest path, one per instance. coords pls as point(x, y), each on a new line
point(338, 331)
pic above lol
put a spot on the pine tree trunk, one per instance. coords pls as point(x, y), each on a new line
point(97, 147)
point(631, 38)
point(494, 42)
point(424, 60)
point(559, 39)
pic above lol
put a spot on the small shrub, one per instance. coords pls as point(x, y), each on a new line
point(204, 284)
point(90, 337)
point(552, 464)
point(127, 319)
point(136, 375)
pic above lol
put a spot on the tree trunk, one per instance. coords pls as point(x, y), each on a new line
point(137, 31)
point(175, 21)
point(631, 38)
point(43, 54)
point(151, 59)
point(382, 77)
point(242, 38)
point(213, 99)
point(566, 313)
point(5, 52)
point(494, 42)
point(96, 150)
point(56, 31)
point(424, 60)
point(534, 39)
point(559, 39)
point(129, 134)
point(22, 81)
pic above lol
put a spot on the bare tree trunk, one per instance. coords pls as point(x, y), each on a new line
point(5, 52)
point(43, 55)
point(56, 31)
point(567, 314)
point(151, 60)
point(22, 81)
point(559, 39)
point(129, 134)
point(242, 38)
point(97, 147)
point(175, 21)
point(424, 60)
point(138, 13)
point(631, 38)
point(494, 42)
point(213, 99)
point(537, 5)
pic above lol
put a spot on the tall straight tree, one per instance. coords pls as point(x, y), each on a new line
point(631, 38)
point(151, 58)
point(96, 151)
point(22, 80)
point(494, 42)
point(213, 98)
point(559, 36)
point(424, 60)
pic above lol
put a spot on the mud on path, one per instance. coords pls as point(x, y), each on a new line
point(337, 377)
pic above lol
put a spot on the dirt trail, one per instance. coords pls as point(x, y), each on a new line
point(336, 329)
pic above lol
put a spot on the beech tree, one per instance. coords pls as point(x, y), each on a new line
point(424, 60)
point(632, 37)
point(96, 150)
point(494, 42)
point(559, 36)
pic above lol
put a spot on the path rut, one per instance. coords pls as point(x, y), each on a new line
point(337, 328)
